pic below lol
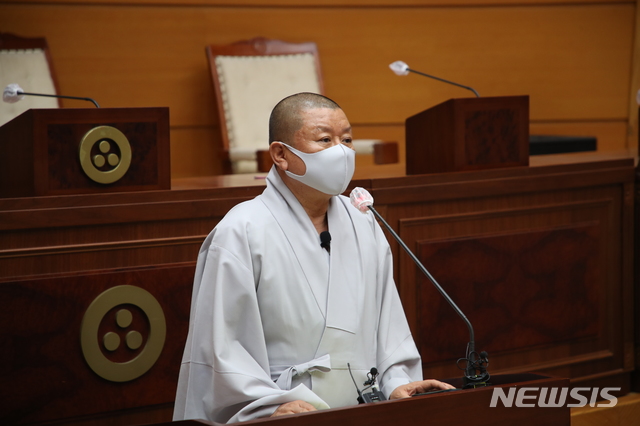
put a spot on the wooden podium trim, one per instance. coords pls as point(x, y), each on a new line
point(40, 154)
point(469, 134)
point(459, 407)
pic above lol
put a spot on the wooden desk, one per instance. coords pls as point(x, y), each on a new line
point(539, 258)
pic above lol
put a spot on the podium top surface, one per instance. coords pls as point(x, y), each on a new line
point(437, 408)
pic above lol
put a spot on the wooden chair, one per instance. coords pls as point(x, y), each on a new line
point(249, 78)
point(26, 62)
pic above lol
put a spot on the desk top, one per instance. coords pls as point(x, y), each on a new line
point(258, 179)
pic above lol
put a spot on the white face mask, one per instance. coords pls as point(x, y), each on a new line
point(329, 170)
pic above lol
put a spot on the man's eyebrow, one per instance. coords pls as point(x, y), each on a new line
point(328, 129)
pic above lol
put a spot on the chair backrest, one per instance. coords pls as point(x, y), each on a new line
point(249, 78)
point(26, 62)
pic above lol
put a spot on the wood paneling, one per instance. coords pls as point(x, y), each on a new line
point(530, 242)
point(576, 60)
point(469, 134)
point(573, 58)
point(361, 3)
point(514, 284)
point(40, 156)
point(194, 151)
point(608, 133)
point(633, 134)
point(442, 408)
point(48, 235)
point(43, 373)
point(552, 243)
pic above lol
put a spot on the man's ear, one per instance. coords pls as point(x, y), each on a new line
point(277, 151)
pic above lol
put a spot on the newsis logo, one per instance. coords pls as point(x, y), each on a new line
point(553, 397)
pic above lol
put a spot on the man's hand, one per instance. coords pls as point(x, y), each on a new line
point(410, 389)
point(293, 407)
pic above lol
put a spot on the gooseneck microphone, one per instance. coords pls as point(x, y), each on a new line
point(476, 373)
point(14, 93)
point(325, 240)
point(401, 68)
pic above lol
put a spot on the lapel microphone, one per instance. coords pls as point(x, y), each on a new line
point(325, 240)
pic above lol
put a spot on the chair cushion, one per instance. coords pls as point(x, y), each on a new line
point(29, 69)
point(252, 85)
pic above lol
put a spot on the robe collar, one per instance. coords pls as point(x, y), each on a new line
point(335, 286)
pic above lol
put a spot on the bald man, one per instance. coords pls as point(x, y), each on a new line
point(278, 317)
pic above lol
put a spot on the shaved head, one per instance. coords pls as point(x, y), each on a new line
point(285, 118)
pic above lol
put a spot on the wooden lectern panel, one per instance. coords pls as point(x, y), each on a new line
point(471, 406)
point(536, 261)
point(47, 373)
point(469, 134)
point(520, 290)
point(77, 151)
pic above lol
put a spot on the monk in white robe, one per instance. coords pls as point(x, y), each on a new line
point(275, 317)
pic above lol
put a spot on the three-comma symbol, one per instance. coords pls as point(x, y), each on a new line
point(93, 344)
point(112, 158)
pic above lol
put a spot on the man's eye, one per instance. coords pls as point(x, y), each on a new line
point(326, 139)
point(347, 140)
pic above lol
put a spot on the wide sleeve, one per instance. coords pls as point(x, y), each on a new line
point(399, 362)
point(224, 375)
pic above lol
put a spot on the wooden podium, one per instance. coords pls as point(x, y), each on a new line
point(461, 407)
point(59, 254)
point(78, 151)
point(469, 134)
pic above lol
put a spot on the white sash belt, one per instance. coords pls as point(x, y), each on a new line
point(322, 363)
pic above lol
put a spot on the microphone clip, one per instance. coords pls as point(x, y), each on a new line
point(371, 377)
point(374, 395)
point(476, 374)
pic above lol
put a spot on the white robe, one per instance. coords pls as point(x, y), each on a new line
point(267, 298)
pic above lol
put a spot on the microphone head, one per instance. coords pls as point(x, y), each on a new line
point(10, 93)
point(399, 67)
point(361, 199)
point(325, 238)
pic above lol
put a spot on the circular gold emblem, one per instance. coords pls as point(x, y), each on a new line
point(123, 333)
point(105, 154)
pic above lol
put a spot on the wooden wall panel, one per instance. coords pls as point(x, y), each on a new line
point(608, 133)
point(633, 134)
point(361, 3)
point(194, 151)
point(573, 58)
point(43, 372)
